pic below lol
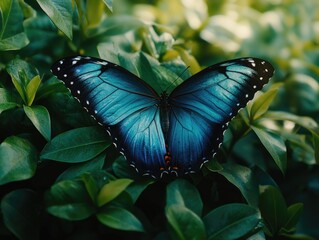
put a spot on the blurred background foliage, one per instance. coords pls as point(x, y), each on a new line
point(169, 36)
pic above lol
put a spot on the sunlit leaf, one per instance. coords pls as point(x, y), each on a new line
point(111, 190)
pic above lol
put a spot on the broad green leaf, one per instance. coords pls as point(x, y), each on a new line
point(120, 218)
point(231, 221)
point(273, 209)
point(184, 223)
point(60, 12)
point(275, 145)
point(18, 160)
point(111, 190)
point(77, 170)
point(94, 12)
point(262, 103)
point(77, 145)
point(293, 216)
point(243, 178)
point(90, 185)
point(69, 200)
point(31, 89)
point(12, 35)
point(20, 213)
point(40, 118)
point(181, 192)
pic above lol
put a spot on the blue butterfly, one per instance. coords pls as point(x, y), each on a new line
point(172, 134)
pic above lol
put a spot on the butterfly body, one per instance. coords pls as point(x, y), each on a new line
point(169, 133)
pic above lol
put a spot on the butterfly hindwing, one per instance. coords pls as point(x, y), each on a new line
point(206, 102)
point(122, 103)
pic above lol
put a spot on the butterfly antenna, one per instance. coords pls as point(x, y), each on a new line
point(178, 77)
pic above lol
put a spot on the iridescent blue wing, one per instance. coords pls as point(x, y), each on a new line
point(123, 103)
point(202, 106)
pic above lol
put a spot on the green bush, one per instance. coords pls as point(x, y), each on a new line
point(61, 177)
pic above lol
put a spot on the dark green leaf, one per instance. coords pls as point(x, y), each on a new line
point(69, 200)
point(231, 221)
point(184, 223)
point(111, 190)
point(77, 145)
point(20, 211)
point(80, 168)
point(18, 159)
point(60, 13)
point(40, 118)
point(7, 100)
point(182, 192)
point(136, 188)
point(120, 218)
point(243, 178)
point(273, 209)
point(275, 145)
point(12, 35)
point(90, 186)
point(293, 216)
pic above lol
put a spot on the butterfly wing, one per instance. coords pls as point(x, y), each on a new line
point(121, 102)
point(202, 106)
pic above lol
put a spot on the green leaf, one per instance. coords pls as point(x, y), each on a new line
point(20, 213)
point(231, 221)
point(120, 218)
point(78, 169)
point(262, 103)
point(293, 216)
point(275, 145)
point(7, 100)
point(90, 185)
point(273, 209)
point(31, 89)
point(60, 12)
point(184, 223)
point(40, 118)
point(182, 192)
point(315, 142)
point(109, 4)
point(12, 35)
point(243, 178)
point(69, 200)
point(18, 159)
point(111, 190)
point(136, 188)
point(77, 145)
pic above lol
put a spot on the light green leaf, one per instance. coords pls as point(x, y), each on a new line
point(77, 145)
point(120, 218)
point(31, 89)
point(231, 221)
point(12, 35)
point(111, 190)
point(60, 13)
point(184, 223)
point(181, 192)
point(18, 160)
point(243, 178)
point(40, 118)
point(20, 213)
point(109, 4)
point(275, 145)
point(262, 103)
